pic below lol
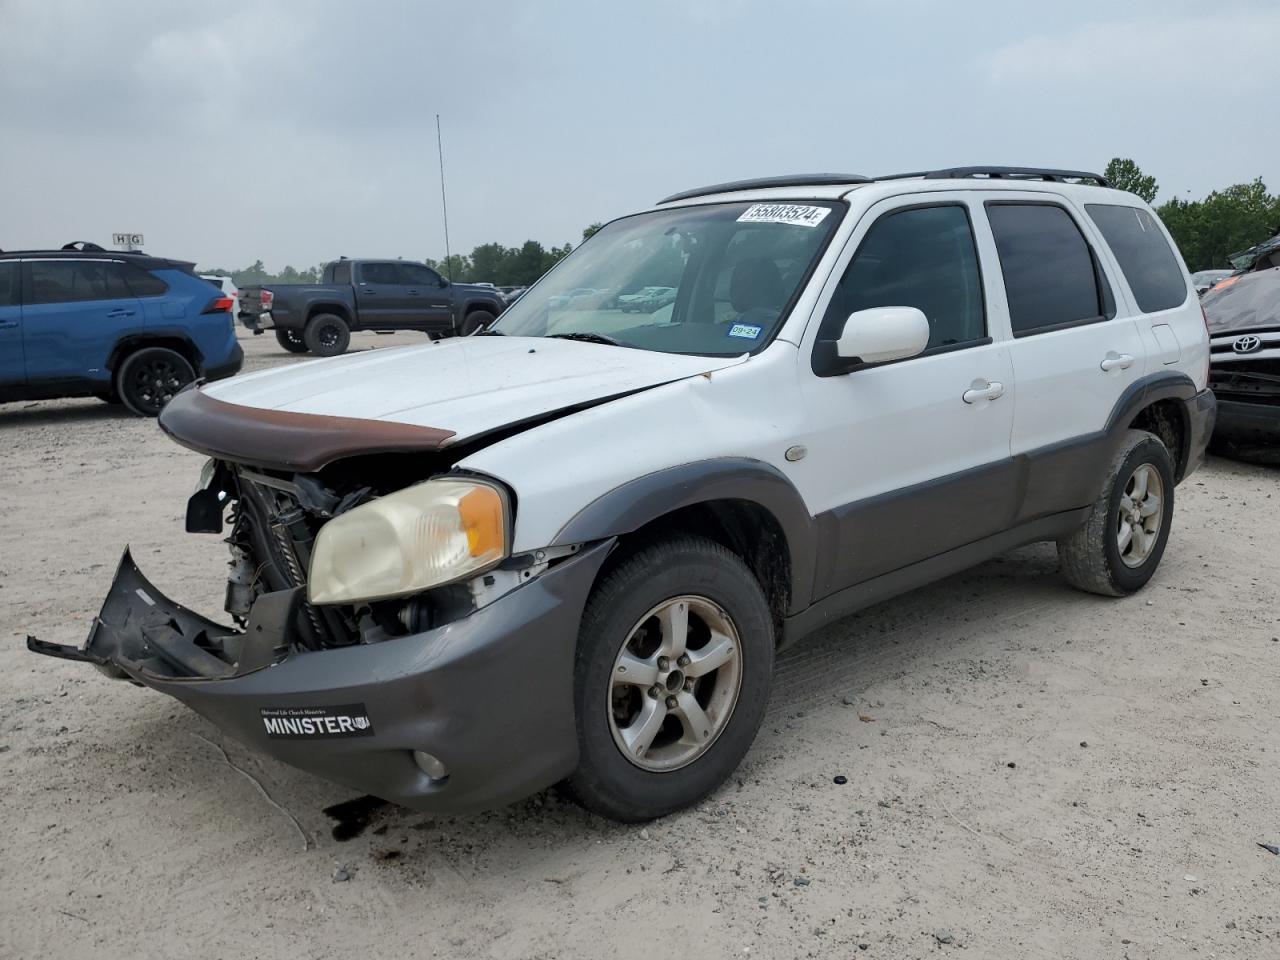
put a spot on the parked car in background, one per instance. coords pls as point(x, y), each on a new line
point(512, 294)
point(124, 327)
point(654, 298)
point(631, 302)
point(366, 295)
point(570, 549)
point(228, 287)
point(1243, 314)
point(1205, 279)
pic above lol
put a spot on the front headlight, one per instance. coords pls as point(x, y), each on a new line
point(409, 541)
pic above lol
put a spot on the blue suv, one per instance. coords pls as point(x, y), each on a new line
point(124, 327)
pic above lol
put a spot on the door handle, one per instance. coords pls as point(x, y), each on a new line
point(6, 324)
point(983, 390)
point(1116, 361)
point(120, 313)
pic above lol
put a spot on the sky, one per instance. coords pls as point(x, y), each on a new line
point(295, 132)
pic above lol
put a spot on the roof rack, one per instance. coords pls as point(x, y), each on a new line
point(1001, 173)
point(761, 183)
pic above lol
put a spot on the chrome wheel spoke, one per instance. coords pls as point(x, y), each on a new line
point(638, 736)
point(631, 669)
point(1150, 506)
point(696, 723)
point(1140, 483)
point(674, 620)
point(712, 657)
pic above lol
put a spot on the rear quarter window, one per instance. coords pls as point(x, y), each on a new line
point(9, 287)
point(1144, 255)
point(146, 284)
point(341, 273)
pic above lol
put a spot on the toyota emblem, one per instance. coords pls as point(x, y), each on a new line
point(1246, 344)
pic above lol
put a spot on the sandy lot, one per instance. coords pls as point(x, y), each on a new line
point(1032, 772)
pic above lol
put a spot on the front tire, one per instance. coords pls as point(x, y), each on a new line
point(674, 663)
point(476, 321)
point(291, 340)
point(151, 377)
point(327, 335)
point(1118, 549)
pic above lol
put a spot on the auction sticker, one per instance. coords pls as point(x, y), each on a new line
point(799, 214)
point(317, 723)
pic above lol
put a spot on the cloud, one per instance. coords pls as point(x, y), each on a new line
point(1220, 52)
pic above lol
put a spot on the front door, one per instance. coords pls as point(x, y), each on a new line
point(429, 296)
point(12, 366)
point(910, 459)
point(1072, 355)
point(382, 296)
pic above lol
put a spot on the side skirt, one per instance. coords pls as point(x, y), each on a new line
point(885, 586)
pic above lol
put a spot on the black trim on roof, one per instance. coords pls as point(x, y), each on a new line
point(762, 183)
point(1001, 173)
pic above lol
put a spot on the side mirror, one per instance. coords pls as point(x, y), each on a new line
point(883, 333)
point(877, 335)
point(443, 283)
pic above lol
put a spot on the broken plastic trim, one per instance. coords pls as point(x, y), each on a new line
point(142, 632)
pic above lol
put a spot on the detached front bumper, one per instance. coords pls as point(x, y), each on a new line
point(491, 695)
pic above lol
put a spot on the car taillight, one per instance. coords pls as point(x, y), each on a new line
point(220, 305)
point(267, 297)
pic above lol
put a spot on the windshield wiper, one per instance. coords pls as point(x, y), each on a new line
point(586, 338)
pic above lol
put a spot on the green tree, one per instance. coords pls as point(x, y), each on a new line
point(1223, 223)
point(591, 230)
point(1124, 174)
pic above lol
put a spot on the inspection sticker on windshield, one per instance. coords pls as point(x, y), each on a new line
point(795, 213)
point(745, 331)
point(315, 723)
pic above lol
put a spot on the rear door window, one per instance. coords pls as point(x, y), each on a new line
point(1051, 277)
point(382, 273)
point(921, 257)
point(74, 281)
point(1144, 255)
point(418, 275)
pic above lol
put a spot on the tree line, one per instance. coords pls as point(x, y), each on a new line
point(1207, 231)
point(490, 262)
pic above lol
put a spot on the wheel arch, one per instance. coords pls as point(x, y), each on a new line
point(749, 506)
point(176, 342)
point(340, 310)
point(1158, 404)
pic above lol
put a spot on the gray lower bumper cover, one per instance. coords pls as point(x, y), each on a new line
point(491, 695)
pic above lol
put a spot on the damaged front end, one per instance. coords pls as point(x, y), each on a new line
point(425, 692)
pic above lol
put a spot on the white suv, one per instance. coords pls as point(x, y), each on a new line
point(567, 549)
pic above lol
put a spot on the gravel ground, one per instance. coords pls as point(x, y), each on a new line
point(1032, 772)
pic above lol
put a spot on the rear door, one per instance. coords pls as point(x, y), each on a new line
point(12, 365)
point(1073, 356)
point(432, 301)
point(382, 296)
point(74, 312)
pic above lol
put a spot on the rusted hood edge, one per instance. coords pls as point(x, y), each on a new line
point(302, 442)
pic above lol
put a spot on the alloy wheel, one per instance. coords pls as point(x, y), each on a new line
point(1140, 515)
point(675, 683)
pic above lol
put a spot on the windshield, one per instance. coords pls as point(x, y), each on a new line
point(714, 280)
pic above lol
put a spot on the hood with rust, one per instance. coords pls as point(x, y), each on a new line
point(411, 399)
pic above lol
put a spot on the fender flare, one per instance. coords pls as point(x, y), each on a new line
point(1167, 385)
point(627, 507)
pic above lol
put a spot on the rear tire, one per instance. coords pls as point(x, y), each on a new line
point(1118, 549)
point(327, 335)
point(149, 378)
point(672, 730)
point(476, 321)
point(291, 340)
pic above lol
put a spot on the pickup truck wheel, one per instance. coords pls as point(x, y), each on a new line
point(674, 662)
point(1116, 552)
point(291, 340)
point(149, 378)
point(327, 335)
point(475, 321)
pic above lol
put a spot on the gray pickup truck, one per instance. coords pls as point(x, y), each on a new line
point(378, 295)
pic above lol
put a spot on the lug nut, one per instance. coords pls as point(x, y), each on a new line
point(655, 691)
point(688, 686)
point(684, 660)
point(671, 703)
point(664, 663)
